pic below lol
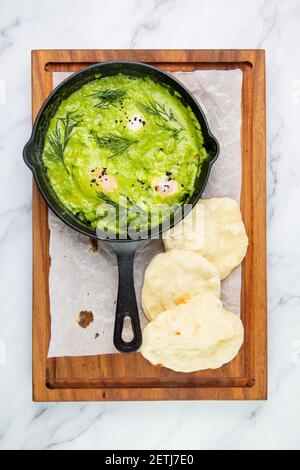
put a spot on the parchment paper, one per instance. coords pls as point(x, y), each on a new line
point(83, 277)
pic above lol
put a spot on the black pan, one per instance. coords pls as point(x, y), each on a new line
point(124, 249)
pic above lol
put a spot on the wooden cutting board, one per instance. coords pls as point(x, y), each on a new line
point(131, 377)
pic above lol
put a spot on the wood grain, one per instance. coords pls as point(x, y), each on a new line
point(123, 377)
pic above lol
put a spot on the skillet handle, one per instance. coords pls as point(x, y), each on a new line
point(126, 303)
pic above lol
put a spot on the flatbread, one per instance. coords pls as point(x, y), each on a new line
point(173, 278)
point(214, 229)
point(197, 335)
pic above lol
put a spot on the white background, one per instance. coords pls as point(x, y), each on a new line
point(37, 24)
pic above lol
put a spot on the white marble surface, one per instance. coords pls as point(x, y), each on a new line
point(37, 24)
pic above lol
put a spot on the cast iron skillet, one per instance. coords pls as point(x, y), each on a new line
point(124, 249)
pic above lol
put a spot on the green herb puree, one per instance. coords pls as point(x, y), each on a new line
point(123, 138)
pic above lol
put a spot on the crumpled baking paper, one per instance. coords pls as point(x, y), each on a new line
point(84, 275)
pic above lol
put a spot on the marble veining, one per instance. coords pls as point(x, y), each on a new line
point(270, 24)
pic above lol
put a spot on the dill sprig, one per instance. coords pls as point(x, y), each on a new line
point(156, 109)
point(173, 130)
point(107, 97)
point(105, 198)
point(132, 206)
point(164, 116)
point(60, 136)
point(114, 142)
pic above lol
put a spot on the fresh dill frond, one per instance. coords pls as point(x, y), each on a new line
point(107, 97)
point(105, 198)
point(69, 122)
point(114, 142)
point(164, 116)
point(60, 136)
point(55, 150)
point(120, 210)
point(172, 130)
point(126, 213)
point(156, 109)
